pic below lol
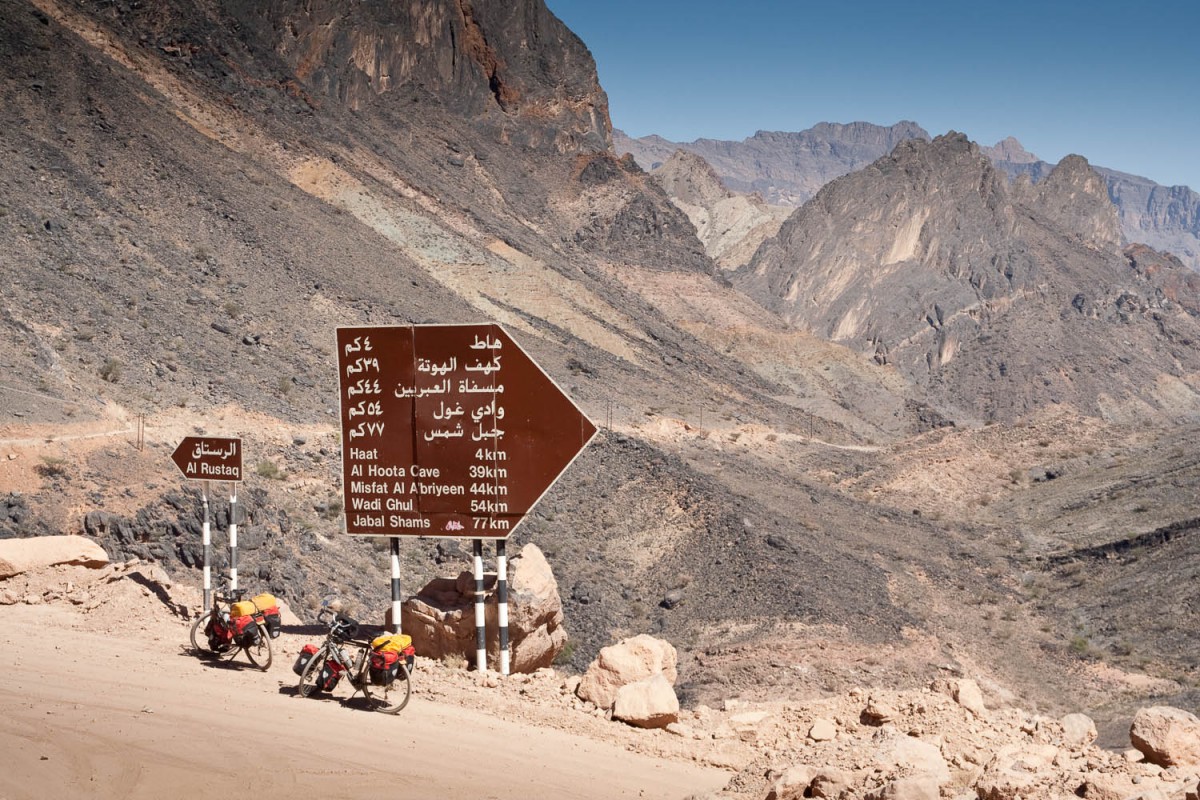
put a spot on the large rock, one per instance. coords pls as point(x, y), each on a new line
point(919, 787)
point(801, 781)
point(1015, 771)
point(23, 555)
point(1167, 736)
point(908, 756)
point(649, 703)
point(535, 613)
point(441, 617)
point(629, 661)
point(1078, 730)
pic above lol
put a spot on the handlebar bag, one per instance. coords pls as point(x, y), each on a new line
point(306, 654)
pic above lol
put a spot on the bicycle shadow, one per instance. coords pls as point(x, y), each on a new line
point(357, 701)
point(213, 660)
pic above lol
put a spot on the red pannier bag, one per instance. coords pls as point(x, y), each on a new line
point(245, 630)
point(306, 655)
point(331, 674)
point(266, 605)
point(220, 636)
point(385, 666)
point(273, 620)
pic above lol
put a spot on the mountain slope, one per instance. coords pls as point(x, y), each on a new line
point(998, 299)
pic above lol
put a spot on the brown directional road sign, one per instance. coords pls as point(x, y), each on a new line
point(208, 458)
point(448, 430)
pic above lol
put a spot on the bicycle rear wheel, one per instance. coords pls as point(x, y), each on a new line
point(308, 679)
point(392, 698)
point(259, 653)
point(199, 639)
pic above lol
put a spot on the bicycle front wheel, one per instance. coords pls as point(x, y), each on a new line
point(259, 653)
point(392, 698)
point(308, 679)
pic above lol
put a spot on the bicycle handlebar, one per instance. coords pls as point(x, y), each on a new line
point(342, 627)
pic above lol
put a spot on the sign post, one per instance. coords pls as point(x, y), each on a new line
point(207, 539)
point(208, 458)
point(448, 431)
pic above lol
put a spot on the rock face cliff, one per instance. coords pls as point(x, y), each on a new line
point(998, 298)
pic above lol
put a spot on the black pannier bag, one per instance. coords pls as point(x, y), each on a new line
point(385, 666)
point(306, 655)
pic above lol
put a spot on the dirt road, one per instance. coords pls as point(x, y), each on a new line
point(89, 711)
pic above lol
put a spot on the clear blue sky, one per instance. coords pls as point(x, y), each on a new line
point(1118, 83)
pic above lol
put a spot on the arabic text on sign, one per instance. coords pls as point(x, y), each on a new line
point(364, 408)
point(363, 386)
point(202, 449)
point(366, 429)
point(362, 365)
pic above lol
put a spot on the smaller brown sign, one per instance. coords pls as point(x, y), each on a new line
point(208, 458)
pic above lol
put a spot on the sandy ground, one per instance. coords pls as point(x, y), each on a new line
point(89, 710)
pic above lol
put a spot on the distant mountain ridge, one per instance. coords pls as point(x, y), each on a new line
point(785, 168)
point(788, 169)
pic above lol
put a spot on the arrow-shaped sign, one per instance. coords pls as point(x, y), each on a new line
point(448, 430)
point(208, 458)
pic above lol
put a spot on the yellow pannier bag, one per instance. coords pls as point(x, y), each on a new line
point(392, 642)
point(243, 608)
point(264, 601)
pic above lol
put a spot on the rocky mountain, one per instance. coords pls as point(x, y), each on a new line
point(194, 196)
point(785, 168)
point(730, 225)
point(788, 168)
point(1165, 217)
point(930, 260)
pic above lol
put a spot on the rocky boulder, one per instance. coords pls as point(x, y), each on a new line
point(23, 555)
point(629, 661)
point(1167, 736)
point(648, 703)
point(441, 617)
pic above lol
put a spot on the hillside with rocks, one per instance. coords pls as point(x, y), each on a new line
point(947, 738)
point(946, 468)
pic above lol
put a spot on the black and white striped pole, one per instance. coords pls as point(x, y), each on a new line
point(396, 604)
point(207, 529)
point(480, 631)
point(233, 516)
point(502, 597)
